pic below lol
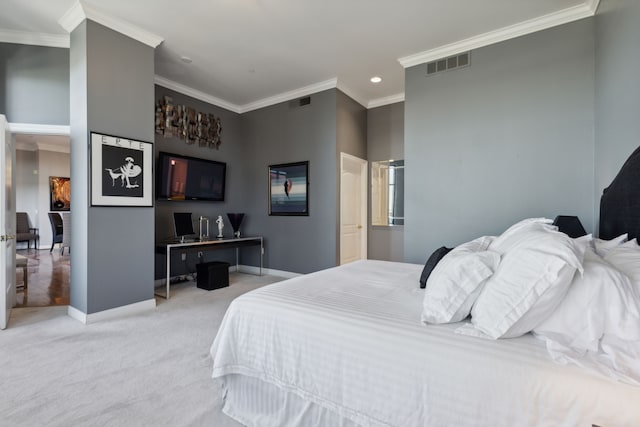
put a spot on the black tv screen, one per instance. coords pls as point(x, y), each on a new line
point(188, 178)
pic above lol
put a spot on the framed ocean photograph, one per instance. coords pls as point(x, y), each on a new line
point(289, 189)
point(121, 171)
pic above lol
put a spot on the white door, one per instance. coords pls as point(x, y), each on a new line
point(7, 225)
point(353, 208)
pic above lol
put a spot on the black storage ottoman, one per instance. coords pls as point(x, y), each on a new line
point(212, 275)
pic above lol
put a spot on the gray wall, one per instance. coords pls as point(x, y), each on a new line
point(617, 123)
point(351, 138)
point(385, 141)
point(351, 131)
point(112, 91)
point(233, 152)
point(285, 133)
point(36, 84)
point(507, 138)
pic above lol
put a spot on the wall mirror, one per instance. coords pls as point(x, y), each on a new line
point(387, 192)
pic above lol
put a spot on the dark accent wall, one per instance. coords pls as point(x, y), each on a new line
point(509, 137)
point(285, 133)
point(112, 91)
point(617, 88)
point(233, 151)
point(385, 141)
point(35, 83)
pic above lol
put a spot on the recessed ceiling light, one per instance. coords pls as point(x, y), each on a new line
point(186, 59)
point(376, 79)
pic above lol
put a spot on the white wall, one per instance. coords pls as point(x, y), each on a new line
point(33, 169)
point(26, 186)
point(49, 164)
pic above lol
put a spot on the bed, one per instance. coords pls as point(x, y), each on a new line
point(346, 347)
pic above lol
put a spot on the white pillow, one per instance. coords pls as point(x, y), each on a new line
point(602, 247)
point(456, 281)
point(533, 276)
point(600, 301)
point(512, 235)
point(626, 258)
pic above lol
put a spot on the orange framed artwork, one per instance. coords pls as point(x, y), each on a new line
point(60, 189)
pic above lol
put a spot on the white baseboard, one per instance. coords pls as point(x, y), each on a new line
point(158, 283)
point(113, 313)
point(265, 271)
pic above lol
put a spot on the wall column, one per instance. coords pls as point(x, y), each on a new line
point(112, 92)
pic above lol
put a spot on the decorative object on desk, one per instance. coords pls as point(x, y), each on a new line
point(220, 223)
point(187, 124)
point(289, 189)
point(60, 189)
point(235, 219)
point(121, 171)
point(570, 225)
point(182, 225)
point(204, 228)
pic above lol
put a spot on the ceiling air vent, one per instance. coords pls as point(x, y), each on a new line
point(300, 102)
point(305, 101)
point(445, 64)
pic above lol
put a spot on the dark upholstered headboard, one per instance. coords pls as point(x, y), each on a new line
point(620, 202)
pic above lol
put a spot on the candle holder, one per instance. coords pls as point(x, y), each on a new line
point(235, 219)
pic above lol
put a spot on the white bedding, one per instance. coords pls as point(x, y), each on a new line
point(350, 340)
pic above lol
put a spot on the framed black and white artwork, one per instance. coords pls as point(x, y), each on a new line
point(121, 171)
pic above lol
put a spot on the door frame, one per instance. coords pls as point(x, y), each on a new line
point(7, 223)
point(364, 179)
point(8, 269)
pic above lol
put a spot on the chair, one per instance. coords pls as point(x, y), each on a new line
point(56, 229)
point(24, 231)
point(21, 262)
point(66, 232)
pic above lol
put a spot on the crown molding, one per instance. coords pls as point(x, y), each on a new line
point(527, 27)
point(195, 93)
point(292, 94)
point(35, 39)
point(81, 11)
point(36, 129)
point(351, 94)
point(593, 5)
point(398, 97)
point(43, 146)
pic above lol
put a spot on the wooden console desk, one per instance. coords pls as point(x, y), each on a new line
point(207, 245)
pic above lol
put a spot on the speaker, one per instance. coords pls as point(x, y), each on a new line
point(212, 275)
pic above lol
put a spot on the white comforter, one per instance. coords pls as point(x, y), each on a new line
point(350, 339)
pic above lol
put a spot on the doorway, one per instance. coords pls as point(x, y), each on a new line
point(42, 152)
point(353, 208)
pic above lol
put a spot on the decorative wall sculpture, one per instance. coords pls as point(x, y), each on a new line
point(187, 124)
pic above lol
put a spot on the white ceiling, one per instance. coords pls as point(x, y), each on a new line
point(251, 53)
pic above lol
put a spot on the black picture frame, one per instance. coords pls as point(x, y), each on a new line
point(289, 189)
point(121, 171)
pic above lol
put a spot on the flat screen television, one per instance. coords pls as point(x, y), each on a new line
point(189, 178)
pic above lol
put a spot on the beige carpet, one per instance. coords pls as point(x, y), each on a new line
point(151, 369)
